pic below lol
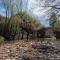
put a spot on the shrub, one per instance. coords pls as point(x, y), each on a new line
point(2, 39)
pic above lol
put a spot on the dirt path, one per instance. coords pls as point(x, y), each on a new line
point(21, 50)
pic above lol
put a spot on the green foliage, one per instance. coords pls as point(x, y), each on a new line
point(2, 39)
point(54, 21)
point(30, 20)
point(10, 28)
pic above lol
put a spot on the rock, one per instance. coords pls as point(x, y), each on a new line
point(26, 57)
point(28, 51)
point(8, 59)
point(46, 49)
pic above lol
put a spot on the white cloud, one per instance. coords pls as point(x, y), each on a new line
point(41, 11)
point(36, 9)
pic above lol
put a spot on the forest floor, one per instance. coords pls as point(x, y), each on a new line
point(31, 50)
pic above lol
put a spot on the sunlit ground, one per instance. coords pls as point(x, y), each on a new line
point(22, 50)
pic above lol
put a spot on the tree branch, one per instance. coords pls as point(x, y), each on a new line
point(55, 6)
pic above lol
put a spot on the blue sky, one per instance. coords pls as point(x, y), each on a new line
point(33, 7)
point(2, 10)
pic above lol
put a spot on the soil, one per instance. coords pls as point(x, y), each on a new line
point(31, 50)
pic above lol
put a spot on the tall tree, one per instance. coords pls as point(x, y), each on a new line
point(53, 19)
